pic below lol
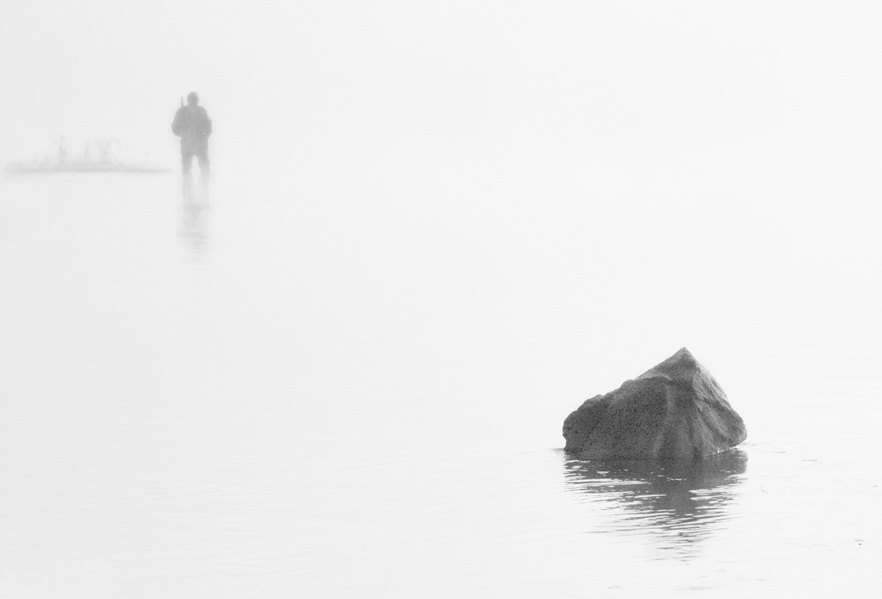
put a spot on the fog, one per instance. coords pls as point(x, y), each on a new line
point(432, 231)
point(752, 128)
point(720, 159)
point(678, 98)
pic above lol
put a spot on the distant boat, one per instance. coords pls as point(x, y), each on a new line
point(63, 163)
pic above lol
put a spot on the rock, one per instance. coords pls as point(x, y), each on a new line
point(673, 411)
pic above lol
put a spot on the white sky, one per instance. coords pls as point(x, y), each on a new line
point(651, 79)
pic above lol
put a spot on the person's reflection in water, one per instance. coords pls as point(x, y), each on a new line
point(675, 502)
point(194, 214)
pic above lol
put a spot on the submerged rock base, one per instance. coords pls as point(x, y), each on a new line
point(673, 411)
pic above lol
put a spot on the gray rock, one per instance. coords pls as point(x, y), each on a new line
point(673, 411)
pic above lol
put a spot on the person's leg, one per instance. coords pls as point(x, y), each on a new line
point(186, 162)
point(203, 162)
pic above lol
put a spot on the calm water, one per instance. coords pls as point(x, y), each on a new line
point(321, 386)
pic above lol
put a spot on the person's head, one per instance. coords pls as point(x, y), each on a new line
point(192, 98)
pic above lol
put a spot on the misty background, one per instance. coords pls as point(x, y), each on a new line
point(432, 231)
point(543, 199)
point(732, 132)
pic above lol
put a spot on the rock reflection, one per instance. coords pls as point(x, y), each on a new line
point(675, 502)
point(194, 214)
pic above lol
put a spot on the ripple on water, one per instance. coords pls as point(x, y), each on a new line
point(678, 504)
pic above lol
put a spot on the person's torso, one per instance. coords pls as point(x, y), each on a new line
point(194, 122)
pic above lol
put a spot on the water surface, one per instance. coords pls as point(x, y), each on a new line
point(263, 387)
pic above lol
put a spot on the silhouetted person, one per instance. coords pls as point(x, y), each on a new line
point(193, 126)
